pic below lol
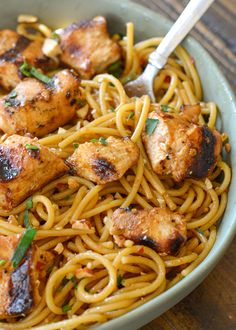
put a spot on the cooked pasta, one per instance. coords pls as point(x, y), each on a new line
point(92, 279)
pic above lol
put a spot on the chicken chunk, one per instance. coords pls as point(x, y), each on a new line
point(25, 167)
point(160, 229)
point(38, 108)
point(87, 47)
point(14, 50)
point(104, 161)
point(179, 146)
point(21, 287)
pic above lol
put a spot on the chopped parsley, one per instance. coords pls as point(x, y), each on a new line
point(31, 147)
point(112, 109)
point(94, 140)
point(119, 282)
point(7, 103)
point(116, 68)
point(75, 145)
point(23, 246)
point(29, 71)
point(103, 141)
point(2, 262)
point(66, 308)
point(131, 115)
point(151, 125)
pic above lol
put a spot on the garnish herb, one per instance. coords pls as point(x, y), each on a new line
point(2, 262)
point(165, 108)
point(131, 115)
point(200, 231)
point(119, 282)
point(23, 246)
point(151, 125)
point(26, 219)
point(116, 68)
point(81, 102)
point(103, 141)
point(66, 308)
point(7, 103)
point(31, 147)
point(55, 36)
point(30, 71)
point(73, 279)
point(112, 109)
point(75, 145)
point(94, 140)
point(64, 281)
point(13, 94)
point(29, 203)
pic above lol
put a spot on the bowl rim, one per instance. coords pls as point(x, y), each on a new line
point(216, 253)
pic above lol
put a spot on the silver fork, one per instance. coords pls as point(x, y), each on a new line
point(143, 85)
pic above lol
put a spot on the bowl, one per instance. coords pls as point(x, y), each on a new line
point(58, 13)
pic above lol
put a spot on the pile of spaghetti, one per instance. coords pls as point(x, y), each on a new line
point(116, 280)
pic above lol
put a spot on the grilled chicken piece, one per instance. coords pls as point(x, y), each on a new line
point(14, 50)
point(87, 47)
point(160, 229)
point(39, 108)
point(21, 288)
point(104, 163)
point(25, 167)
point(180, 147)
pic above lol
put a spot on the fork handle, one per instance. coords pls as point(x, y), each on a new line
point(191, 14)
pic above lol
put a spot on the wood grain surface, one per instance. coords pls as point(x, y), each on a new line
point(213, 304)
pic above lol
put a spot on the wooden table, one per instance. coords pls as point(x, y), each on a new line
point(213, 304)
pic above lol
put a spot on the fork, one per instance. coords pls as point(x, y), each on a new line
point(143, 85)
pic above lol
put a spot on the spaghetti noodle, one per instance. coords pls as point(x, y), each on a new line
point(94, 280)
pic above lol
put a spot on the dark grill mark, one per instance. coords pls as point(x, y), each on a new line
point(205, 158)
point(8, 170)
point(11, 55)
point(147, 241)
point(103, 168)
point(21, 299)
point(175, 244)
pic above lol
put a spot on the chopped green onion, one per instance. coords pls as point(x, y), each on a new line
point(200, 231)
point(94, 140)
point(116, 68)
point(151, 125)
point(55, 36)
point(64, 281)
point(119, 282)
point(29, 71)
point(103, 141)
point(13, 94)
point(26, 219)
point(165, 108)
point(40, 76)
point(23, 246)
point(29, 203)
point(31, 147)
point(75, 145)
point(2, 262)
point(7, 103)
point(131, 115)
point(73, 279)
point(81, 102)
point(66, 308)
point(25, 69)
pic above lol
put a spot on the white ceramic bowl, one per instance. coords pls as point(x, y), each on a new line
point(58, 13)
